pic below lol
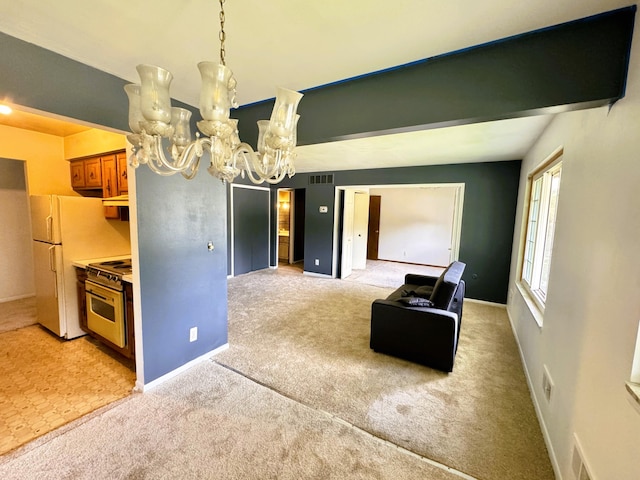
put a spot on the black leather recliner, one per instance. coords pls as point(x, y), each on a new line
point(421, 320)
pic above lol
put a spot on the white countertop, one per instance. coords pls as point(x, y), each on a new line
point(84, 263)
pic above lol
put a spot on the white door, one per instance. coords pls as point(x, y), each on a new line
point(347, 234)
point(47, 260)
point(360, 230)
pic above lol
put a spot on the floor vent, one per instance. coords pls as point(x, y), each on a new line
point(578, 466)
point(321, 179)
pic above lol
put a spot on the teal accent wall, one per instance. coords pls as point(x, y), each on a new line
point(182, 283)
point(579, 64)
point(489, 208)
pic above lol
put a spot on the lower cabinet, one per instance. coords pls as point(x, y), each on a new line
point(129, 349)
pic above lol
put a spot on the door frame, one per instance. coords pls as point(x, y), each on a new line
point(231, 253)
point(457, 213)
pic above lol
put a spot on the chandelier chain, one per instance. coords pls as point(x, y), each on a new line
point(222, 34)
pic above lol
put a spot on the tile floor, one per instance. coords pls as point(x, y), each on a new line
point(47, 382)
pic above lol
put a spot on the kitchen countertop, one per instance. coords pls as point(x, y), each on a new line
point(84, 263)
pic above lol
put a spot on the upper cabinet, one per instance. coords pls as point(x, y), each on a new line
point(103, 176)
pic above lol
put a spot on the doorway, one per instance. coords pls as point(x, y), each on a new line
point(417, 224)
point(291, 219)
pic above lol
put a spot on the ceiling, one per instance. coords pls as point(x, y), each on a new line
point(299, 45)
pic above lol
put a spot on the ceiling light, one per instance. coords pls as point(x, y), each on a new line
point(5, 109)
point(152, 121)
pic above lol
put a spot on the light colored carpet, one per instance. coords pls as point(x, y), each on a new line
point(18, 314)
point(322, 405)
point(211, 423)
point(310, 341)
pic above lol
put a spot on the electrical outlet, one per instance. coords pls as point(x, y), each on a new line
point(317, 261)
point(193, 334)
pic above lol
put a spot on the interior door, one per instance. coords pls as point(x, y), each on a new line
point(251, 208)
point(360, 228)
point(347, 234)
point(373, 232)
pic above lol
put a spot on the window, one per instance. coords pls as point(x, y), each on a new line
point(544, 188)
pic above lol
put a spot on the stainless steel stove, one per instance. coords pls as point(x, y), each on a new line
point(109, 274)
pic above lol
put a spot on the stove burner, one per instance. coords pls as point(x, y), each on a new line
point(109, 273)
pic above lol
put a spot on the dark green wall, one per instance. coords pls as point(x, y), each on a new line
point(574, 65)
point(491, 193)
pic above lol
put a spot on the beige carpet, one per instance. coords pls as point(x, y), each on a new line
point(321, 406)
point(18, 314)
point(310, 341)
point(211, 423)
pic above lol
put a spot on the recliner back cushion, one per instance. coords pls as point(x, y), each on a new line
point(445, 287)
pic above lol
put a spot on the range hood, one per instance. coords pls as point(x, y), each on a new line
point(119, 201)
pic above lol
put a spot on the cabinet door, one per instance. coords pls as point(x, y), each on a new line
point(77, 174)
point(109, 183)
point(109, 176)
point(123, 184)
point(92, 173)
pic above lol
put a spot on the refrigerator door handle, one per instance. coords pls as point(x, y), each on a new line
point(52, 258)
point(49, 227)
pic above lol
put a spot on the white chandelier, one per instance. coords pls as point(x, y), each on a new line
point(152, 119)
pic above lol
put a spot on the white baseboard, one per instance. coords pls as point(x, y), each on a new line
point(313, 274)
point(484, 302)
point(148, 386)
point(536, 406)
point(16, 297)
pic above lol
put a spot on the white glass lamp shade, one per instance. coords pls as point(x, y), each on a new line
point(215, 98)
point(263, 126)
point(181, 129)
point(135, 114)
point(155, 101)
point(283, 116)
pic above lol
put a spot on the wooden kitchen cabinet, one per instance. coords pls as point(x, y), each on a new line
point(123, 182)
point(81, 277)
point(77, 174)
point(110, 183)
point(102, 176)
point(92, 173)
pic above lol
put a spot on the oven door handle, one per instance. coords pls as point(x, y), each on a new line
point(98, 295)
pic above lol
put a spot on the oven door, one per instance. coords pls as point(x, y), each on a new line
point(105, 313)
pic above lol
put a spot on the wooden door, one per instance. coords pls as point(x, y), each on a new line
point(374, 227)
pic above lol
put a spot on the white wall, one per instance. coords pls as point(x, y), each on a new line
point(593, 305)
point(16, 261)
point(416, 224)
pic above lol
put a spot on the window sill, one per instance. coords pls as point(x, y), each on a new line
point(531, 304)
point(634, 394)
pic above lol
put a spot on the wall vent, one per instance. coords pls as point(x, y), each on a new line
point(580, 471)
point(325, 179)
point(547, 384)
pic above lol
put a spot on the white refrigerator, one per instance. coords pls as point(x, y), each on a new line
point(65, 229)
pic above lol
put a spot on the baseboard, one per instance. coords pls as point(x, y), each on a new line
point(313, 274)
point(148, 386)
point(536, 405)
point(17, 297)
point(484, 302)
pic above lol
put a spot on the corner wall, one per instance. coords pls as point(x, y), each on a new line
point(591, 319)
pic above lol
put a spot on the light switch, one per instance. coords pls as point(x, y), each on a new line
point(323, 209)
